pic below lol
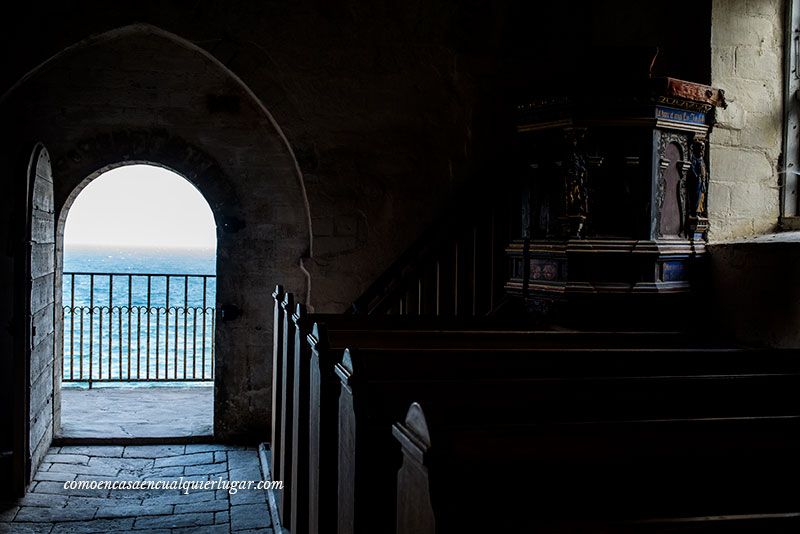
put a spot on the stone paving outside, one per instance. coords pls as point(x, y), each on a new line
point(140, 412)
point(48, 508)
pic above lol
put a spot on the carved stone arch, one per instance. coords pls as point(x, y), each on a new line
point(92, 157)
point(149, 29)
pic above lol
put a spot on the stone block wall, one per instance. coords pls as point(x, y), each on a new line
point(747, 62)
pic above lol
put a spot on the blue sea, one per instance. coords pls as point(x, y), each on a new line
point(125, 319)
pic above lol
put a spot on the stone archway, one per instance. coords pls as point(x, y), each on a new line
point(211, 129)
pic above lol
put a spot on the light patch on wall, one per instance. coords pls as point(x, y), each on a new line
point(140, 206)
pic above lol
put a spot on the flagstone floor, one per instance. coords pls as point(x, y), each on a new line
point(137, 412)
point(49, 508)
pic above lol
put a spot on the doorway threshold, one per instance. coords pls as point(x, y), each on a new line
point(137, 415)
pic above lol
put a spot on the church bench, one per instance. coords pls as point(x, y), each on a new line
point(290, 329)
point(292, 389)
point(653, 475)
point(546, 386)
point(306, 427)
point(326, 345)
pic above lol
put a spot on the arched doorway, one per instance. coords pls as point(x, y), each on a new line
point(235, 154)
point(138, 293)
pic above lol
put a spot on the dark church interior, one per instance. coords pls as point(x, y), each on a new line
point(482, 265)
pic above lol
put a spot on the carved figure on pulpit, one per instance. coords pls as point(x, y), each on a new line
point(576, 184)
point(698, 175)
point(577, 202)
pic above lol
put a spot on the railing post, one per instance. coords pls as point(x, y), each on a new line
point(147, 313)
point(72, 327)
point(166, 336)
point(185, 321)
point(110, 322)
point(130, 310)
point(203, 341)
point(91, 327)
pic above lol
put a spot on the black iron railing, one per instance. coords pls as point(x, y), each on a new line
point(138, 327)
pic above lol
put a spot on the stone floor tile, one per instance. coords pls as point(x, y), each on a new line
point(209, 529)
point(54, 476)
point(107, 451)
point(77, 469)
point(202, 447)
point(153, 451)
point(43, 499)
point(57, 488)
point(37, 514)
point(248, 473)
point(122, 463)
point(186, 459)
point(249, 497)
point(206, 506)
point(96, 477)
point(222, 518)
point(7, 512)
point(66, 459)
point(249, 516)
point(25, 528)
point(174, 521)
point(102, 501)
point(154, 473)
point(242, 459)
point(98, 525)
point(198, 478)
point(112, 510)
point(206, 469)
point(175, 497)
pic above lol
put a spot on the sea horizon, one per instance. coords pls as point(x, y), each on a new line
point(118, 259)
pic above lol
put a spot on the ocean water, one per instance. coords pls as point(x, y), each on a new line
point(124, 319)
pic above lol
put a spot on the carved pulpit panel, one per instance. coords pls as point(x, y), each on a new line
point(615, 192)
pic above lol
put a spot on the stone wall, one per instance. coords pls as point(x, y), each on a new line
point(753, 296)
point(747, 62)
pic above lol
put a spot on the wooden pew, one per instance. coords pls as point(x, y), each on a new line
point(292, 394)
point(325, 347)
point(655, 475)
point(286, 410)
point(546, 386)
point(307, 432)
point(288, 343)
point(277, 378)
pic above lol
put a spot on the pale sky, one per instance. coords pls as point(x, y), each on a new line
point(140, 206)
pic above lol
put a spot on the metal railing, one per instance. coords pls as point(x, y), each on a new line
point(138, 327)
